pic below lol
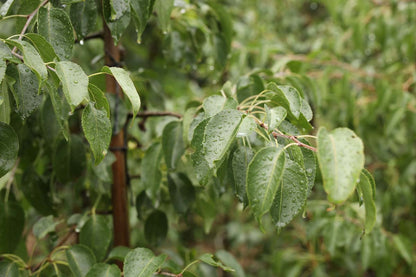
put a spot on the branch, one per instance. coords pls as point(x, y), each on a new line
point(91, 36)
point(147, 114)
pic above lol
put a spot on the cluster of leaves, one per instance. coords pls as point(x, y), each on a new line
point(251, 137)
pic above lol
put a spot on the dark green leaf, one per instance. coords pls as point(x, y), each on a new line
point(61, 109)
point(116, 27)
point(97, 130)
point(141, 11)
point(55, 25)
point(264, 175)
point(341, 159)
point(97, 96)
point(118, 8)
point(182, 192)
point(200, 164)
point(216, 103)
point(240, 161)
point(83, 17)
point(74, 82)
point(156, 227)
point(36, 191)
point(309, 162)
point(80, 259)
point(96, 234)
point(366, 187)
point(141, 262)
point(172, 143)
point(403, 246)
point(150, 174)
point(69, 159)
point(290, 196)
point(49, 123)
point(5, 108)
point(12, 220)
point(25, 90)
point(104, 270)
point(9, 148)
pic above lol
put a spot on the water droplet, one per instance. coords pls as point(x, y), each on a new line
point(75, 82)
point(183, 11)
point(81, 42)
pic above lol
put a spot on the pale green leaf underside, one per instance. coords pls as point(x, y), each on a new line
point(341, 159)
point(366, 187)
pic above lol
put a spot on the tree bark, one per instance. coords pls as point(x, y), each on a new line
point(119, 187)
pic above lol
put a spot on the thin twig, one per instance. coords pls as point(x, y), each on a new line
point(99, 35)
point(146, 114)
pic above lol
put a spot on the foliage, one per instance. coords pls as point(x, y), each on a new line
point(218, 125)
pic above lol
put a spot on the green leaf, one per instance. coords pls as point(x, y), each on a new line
point(172, 143)
point(275, 116)
point(287, 97)
point(182, 192)
point(31, 58)
point(209, 259)
point(366, 187)
point(97, 130)
point(48, 122)
point(156, 227)
point(141, 11)
point(44, 226)
point(290, 196)
point(163, 9)
point(4, 10)
point(240, 161)
point(3, 67)
point(44, 48)
point(230, 261)
point(5, 108)
point(97, 235)
point(216, 103)
point(61, 109)
point(69, 159)
point(404, 248)
point(55, 25)
point(9, 148)
point(264, 175)
point(341, 159)
point(5, 52)
point(309, 163)
point(12, 220)
point(83, 17)
point(74, 82)
point(9, 269)
point(97, 96)
point(118, 8)
point(202, 170)
point(150, 172)
point(104, 270)
point(25, 89)
point(141, 262)
point(37, 191)
point(80, 259)
point(123, 79)
point(118, 253)
point(118, 26)
point(219, 134)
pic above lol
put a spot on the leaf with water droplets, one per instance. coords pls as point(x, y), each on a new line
point(341, 159)
point(141, 12)
point(74, 82)
point(141, 262)
point(163, 9)
point(31, 57)
point(83, 17)
point(216, 103)
point(54, 25)
point(219, 134)
point(241, 158)
point(44, 48)
point(264, 175)
point(290, 196)
point(200, 164)
point(286, 96)
point(97, 130)
point(150, 174)
point(275, 116)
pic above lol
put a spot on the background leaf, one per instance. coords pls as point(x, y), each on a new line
point(80, 259)
point(12, 220)
point(182, 192)
point(104, 270)
point(172, 143)
point(156, 227)
point(142, 262)
point(9, 148)
point(83, 16)
point(341, 159)
point(97, 235)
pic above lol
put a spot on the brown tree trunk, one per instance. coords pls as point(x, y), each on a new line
point(119, 187)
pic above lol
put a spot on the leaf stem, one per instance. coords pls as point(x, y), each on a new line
point(188, 266)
